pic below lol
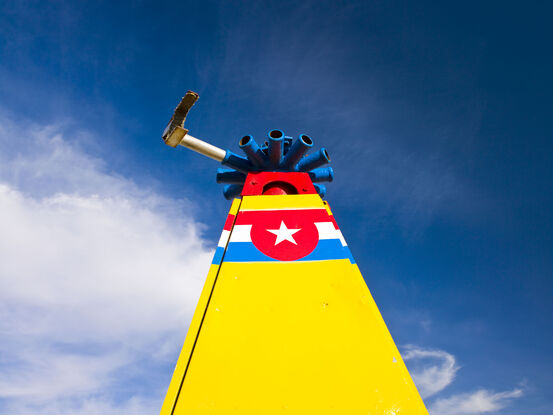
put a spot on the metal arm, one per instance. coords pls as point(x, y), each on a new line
point(279, 154)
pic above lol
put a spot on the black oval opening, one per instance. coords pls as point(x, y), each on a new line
point(275, 134)
point(306, 139)
point(245, 140)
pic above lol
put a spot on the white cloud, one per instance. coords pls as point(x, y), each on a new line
point(98, 281)
point(88, 406)
point(432, 370)
point(479, 402)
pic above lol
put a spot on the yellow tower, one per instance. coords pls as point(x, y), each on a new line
point(285, 322)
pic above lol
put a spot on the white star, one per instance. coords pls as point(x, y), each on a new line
point(284, 234)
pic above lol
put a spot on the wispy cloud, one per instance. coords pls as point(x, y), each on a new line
point(432, 370)
point(88, 406)
point(479, 402)
point(98, 280)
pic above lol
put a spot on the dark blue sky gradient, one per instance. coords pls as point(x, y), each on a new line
point(438, 120)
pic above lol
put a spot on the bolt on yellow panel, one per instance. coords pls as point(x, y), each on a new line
point(286, 324)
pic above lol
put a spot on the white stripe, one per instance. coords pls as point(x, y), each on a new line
point(328, 231)
point(241, 233)
point(224, 238)
point(341, 237)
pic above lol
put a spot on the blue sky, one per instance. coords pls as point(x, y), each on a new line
point(438, 122)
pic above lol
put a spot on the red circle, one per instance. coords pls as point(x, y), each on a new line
point(299, 235)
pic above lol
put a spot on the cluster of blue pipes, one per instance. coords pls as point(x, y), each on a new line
point(280, 154)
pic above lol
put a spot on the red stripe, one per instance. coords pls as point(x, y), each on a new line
point(247, 217)
point(334, 222)
point(229, 222)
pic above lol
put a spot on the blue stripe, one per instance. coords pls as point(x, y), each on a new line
point(350, 256)
point(326, 249)
point(218, 255)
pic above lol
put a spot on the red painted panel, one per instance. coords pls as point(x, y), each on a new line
point(278, 183)
point(228, 223)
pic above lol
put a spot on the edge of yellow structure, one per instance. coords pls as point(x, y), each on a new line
point(345, 362)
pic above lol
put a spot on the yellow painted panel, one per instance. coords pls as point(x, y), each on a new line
point(281, 202)
point(182, 363)
point(234, 207)
point(327, 208)
point(193, 330)
point(297, 337)
point(301, 337)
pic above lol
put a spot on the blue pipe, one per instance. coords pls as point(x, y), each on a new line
point(276, 147)
point(296, 152)
point(321, 189)
point(252, 150)
point(237, 162)
point(230, 176)
point(312, 161)
point(230, 191)
point(323, 174)
point(287, 144)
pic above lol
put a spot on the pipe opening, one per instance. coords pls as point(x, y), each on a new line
point(245, 140)
point(279, 188)
point(276, 134)
point(326, 154)
point(306, 139)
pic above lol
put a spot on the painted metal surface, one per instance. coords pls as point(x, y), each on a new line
point(286, 323)
point(258, 183)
